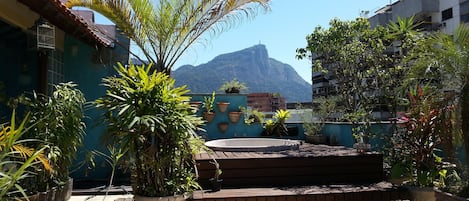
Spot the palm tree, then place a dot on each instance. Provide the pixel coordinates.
(446, 58)
(164, 29)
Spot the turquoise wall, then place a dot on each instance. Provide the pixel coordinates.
(19, 72)
(342, 133)
(239, 129)
(82, 67)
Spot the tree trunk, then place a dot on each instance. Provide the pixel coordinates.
(465, 118)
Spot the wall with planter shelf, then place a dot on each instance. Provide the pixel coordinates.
(238, 129)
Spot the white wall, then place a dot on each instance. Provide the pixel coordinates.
(452, 23)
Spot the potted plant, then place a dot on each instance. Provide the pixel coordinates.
(276, 126)
(233, 86)
(412, 151)
(313, 133)
(209, 112)
(58, 124)
(325, 108)
(252, 116)
(215, 181)
(147, 114)
(361, 146)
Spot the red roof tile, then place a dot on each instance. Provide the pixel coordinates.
(56, 13)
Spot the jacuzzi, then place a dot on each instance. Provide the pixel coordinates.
(253, 144)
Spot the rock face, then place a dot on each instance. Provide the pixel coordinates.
(251, 66)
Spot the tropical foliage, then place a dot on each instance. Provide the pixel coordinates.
(233, 86)
(208, 103)
(413, 151)
(276, 126)
(252, 115)
(326, 107)
(150, 117)
(165, 29)
(18, 161)
(442, 61)
(58, 124)
(367, 74)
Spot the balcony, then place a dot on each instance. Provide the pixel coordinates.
(408, 8)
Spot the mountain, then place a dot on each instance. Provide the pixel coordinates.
(251, 66)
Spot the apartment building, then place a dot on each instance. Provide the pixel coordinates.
(266, 102)
(444, 15)
(433, 15)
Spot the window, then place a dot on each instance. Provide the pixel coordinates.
(465, 18)
(447, 14)
(55, 73)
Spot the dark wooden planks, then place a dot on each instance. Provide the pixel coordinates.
(309, 165)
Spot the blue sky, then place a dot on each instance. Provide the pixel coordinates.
(282, 30)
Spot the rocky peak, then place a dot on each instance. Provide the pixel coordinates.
(251, 65)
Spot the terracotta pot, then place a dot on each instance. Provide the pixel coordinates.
(222, 106)
(209, 116)
(167, 198)
(223, 126)
(234, 116)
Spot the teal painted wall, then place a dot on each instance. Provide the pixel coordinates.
(342, 133)
(19, 72)
(239, 129)
(82, 66)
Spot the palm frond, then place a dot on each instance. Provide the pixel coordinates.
(164, 29)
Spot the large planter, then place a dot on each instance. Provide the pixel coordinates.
(60, 193)
(167, 198)
(47, 196)
(65, 191)
(215, 184)
(292, 130)
(444, 196)
(421, 193)
(316, 139)
(35, 197)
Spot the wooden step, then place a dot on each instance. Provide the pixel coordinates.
(381, 191)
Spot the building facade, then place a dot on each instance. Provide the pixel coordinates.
(266, 102)
(433, 15)
(444, 15)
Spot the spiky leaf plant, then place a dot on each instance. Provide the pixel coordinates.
(151, 117)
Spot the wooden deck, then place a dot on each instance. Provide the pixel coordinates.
(310, 165)
(381, 191)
